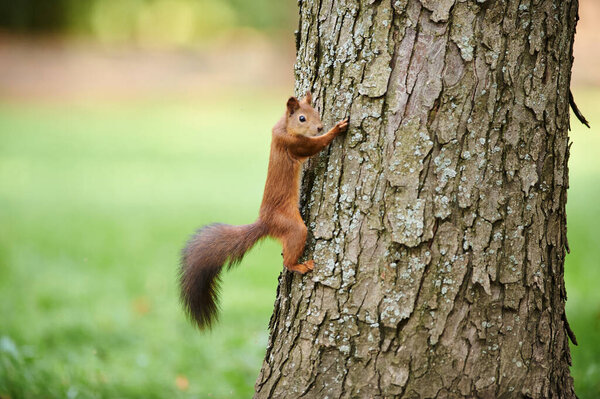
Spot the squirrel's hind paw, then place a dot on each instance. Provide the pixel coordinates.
(302, 267)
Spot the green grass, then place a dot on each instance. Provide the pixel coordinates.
(95, 204)
(96, 201)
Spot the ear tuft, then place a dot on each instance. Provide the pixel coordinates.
(292, 105)
(308, 98)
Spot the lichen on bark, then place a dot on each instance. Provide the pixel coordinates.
(437, 224)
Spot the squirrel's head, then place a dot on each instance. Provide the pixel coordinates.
(302, 118)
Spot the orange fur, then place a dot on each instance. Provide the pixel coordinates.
(212, 247)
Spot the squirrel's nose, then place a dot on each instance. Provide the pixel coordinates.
(320, 128)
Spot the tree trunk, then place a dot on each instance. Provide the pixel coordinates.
(437, 224)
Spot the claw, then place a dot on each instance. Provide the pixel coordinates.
(343, 125)
(302, 268)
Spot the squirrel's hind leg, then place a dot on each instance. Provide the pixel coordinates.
(293, 242)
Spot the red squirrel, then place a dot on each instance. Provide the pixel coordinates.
(294, 140)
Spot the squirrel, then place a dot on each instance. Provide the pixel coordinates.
(294, 140)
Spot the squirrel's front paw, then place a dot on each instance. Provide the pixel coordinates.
(342, 126)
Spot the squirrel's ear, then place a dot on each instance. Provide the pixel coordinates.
(292, 105)
(308, 98)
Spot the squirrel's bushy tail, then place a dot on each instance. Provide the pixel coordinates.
(202, 259)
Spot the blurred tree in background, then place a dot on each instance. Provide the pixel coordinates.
(33, 15)
(169, 22)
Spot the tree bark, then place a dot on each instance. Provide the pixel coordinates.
(437, 224)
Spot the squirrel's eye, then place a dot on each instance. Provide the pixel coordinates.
(302, 118)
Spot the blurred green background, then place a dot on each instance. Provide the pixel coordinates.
(125, 125)
(154, 22)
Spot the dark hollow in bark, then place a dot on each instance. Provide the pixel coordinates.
(437, 224)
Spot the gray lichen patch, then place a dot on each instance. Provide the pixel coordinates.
(376, 77)
(478, 238)
(377, 54)
(461, 32)
(450, 117)
(406, 221)
(405, 158)
(452, 274)
(326, 274)
(401, 290)
(529, 177)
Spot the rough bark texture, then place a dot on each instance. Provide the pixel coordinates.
(437, 224)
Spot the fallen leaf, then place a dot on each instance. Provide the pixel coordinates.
(182, 383)
(141, 305)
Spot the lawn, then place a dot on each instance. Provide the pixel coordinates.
(96, 200)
